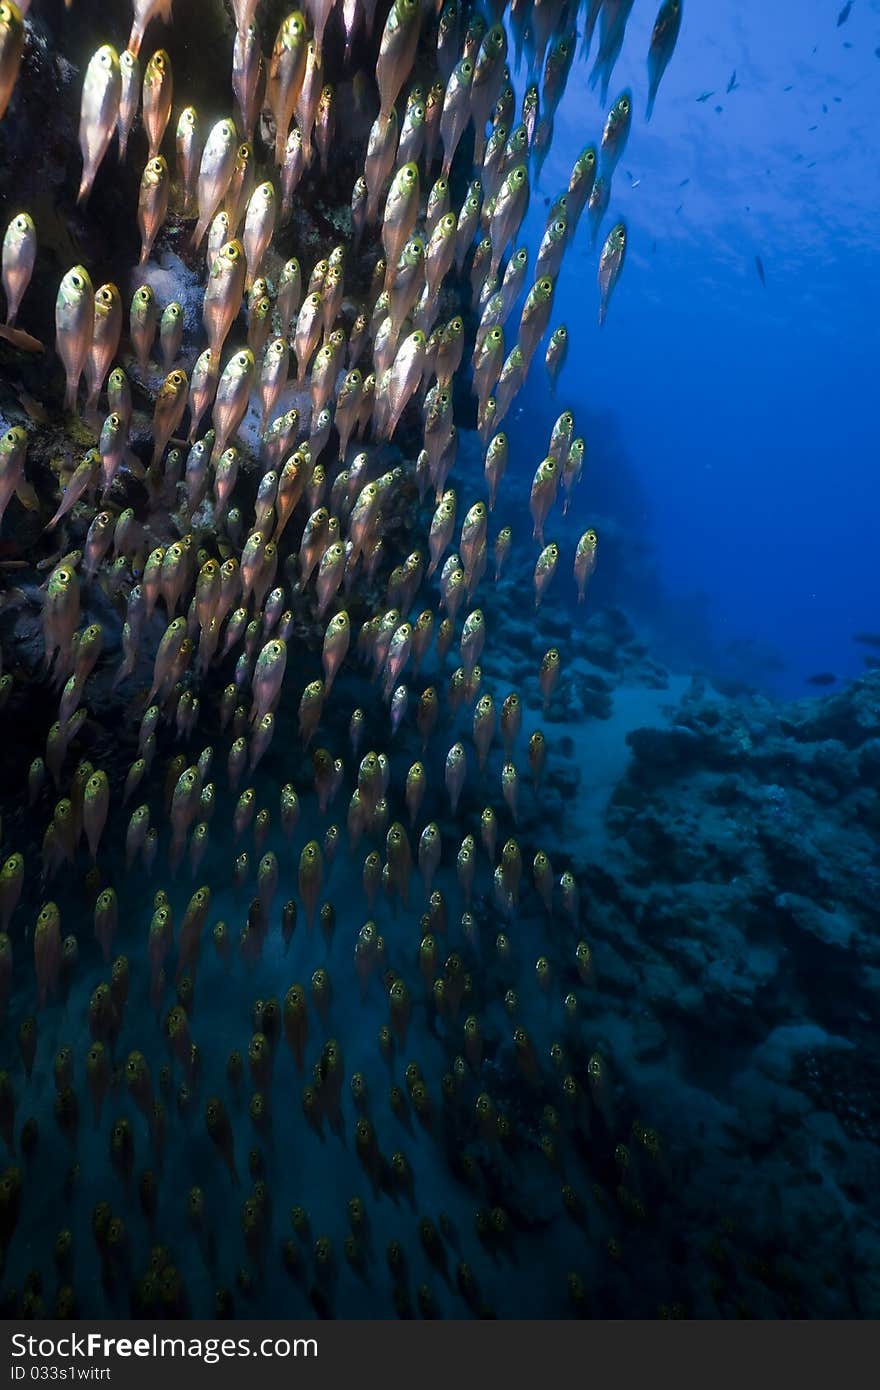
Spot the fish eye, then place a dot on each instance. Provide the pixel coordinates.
(21, 223)
(76, 281)
(624, 106)
(242, 360)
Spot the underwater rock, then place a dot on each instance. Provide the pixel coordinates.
(791, 1047)
(831, 928)
(676, 747)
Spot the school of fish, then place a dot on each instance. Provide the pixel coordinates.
(251, 527)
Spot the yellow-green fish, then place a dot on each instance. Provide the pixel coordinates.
(129, 98)
(397, 50)
(223, 294)
(106, 332)
(557, 351)
(19, 255)
(611, 264)
(168, 412)
(11, 49)
(155, 191)
(231, 400)
(664, 37)
(158, 93)
(401, 211)
(259, 225)
(74, 322)
(585, 561)
(143, 322)
(215, 172)
(144, 12)
(616, 133)
(247, 68)
(99, 111)
(189, 153)
(287, 67)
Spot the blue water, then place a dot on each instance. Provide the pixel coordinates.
(745, 413)
(691, 1125)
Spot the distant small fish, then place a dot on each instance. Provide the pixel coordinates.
(867, 639)
(822, 678)
(845, 13)
(872, 662)
(21, 340)
(759, 266)
(684, 183)
(731, 86)
(706, 96)
(32, 407)
(789, 88)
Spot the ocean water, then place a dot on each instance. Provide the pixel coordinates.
(647, 1084)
